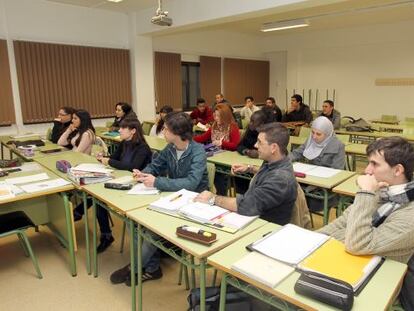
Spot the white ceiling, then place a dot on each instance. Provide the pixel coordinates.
(124, 6)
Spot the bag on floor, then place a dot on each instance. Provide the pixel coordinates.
(236, 300)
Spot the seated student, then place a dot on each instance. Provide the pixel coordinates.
(184, 161)
(202, 113)
(132, 153)
(248, 109)
(273, 190)
(249, 139)
(80, 134)
(61, 123)
(158, 128)
(271, 108)
(381, 219)
(219, 99)
(122, 111)
(322, 147)
(298, 111)
(332, 114)
(224, 132)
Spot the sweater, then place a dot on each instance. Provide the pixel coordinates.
(231, 144)
(303, 114)
(85, 144)
(129, 156)
(394, 238)
(202, 117)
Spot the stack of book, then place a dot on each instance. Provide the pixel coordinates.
(89, 173)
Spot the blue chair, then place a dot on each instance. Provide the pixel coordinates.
(17, 223)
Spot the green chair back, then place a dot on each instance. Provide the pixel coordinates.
(245, 123)
(409, 120)
(49, 133)
(344, 138)
(146, 127)
(305, 131)
(108, 123)
(389, 118)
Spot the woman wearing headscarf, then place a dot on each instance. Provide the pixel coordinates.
(322, 147)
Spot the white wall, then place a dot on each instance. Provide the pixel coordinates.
(38, 20)
(350, 60)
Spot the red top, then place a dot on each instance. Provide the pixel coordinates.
(204, 118)
(231, 144)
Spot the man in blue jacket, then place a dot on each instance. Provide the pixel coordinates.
(180, 165)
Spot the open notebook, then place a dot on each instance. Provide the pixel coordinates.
(181, 203)
(314, 170)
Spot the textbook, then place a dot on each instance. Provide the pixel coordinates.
(291, 244)
(181, 203)
(263, 269)
(332, 260)
(314, 170)
(87, 178)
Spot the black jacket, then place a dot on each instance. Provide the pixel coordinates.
(139, 155)
(248, 141)
(57, 130)
(304, 114)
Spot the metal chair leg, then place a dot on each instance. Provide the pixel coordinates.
(23, 244)
(121, 250)
(32, 256)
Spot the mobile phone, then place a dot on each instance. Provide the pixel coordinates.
(51, 150)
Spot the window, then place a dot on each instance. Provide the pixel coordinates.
(190, 73)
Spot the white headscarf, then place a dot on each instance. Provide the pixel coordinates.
(312, 148)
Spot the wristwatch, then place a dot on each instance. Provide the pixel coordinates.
(212, 200)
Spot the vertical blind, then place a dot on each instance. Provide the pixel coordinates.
(244, 77)
(168, 88)
(55, 75)
(6, 95)
(210, 77)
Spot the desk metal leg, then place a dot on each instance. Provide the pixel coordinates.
(223, 290)
(202, 284)
(138, 255)
(95, 255)
(71, 247)
(325, 207)
(85, 214)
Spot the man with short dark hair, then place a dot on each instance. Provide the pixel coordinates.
(298, 111)
(219, 98)
(272, 192)
(273, 110)
(381, 219)
(184, 162)
(202, 113)
(248, 109)
(331, 113)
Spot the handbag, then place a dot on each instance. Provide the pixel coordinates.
(334, 292)
(357, 125)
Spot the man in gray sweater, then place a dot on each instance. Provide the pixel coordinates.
(272, 191)
(381, 219)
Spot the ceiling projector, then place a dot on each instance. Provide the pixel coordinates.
(161, 17)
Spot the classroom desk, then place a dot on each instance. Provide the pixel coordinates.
(367, 137)
(74, 158)
(378, 294)
(165, 226)
(50, 207)
(111, 141)
(396, 122)
(355, 150)
(347, 191)
(155, 143)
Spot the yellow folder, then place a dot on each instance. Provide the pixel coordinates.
(331, 259)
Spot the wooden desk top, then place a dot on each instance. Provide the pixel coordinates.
(156, 143)
(228, 158)
(357, 149)
(349, 187)
(326, 183)
(166, 225)
(377, 295)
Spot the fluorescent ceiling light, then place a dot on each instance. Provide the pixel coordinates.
(114, 0)
(296, 23)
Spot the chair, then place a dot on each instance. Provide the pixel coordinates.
(17, 223)
(409, 120)
(211, 171)
(389, 118)
(245, 123)
(99, 146)
(146, 127)
(305, 131)
(108, 124)
(49, 133)
(300, 213)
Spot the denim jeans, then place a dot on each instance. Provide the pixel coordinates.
(150, 253)
(102, 216)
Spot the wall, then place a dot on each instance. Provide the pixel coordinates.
(37, 20)
(348, 60)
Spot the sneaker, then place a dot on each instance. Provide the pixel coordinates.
(105, 243)
(121, 275)
(146, 276)
(76, 215)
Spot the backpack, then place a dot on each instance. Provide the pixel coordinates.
(357, 125)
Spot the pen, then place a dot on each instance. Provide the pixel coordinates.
(176, 198)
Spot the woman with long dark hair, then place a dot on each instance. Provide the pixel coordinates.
(80, 134)
(132, 153)
(157, 128)
(122, 111)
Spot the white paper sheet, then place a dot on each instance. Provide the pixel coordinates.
(315, 170)
(142, 189)
(26, 179)
(45, 185)
(92, 167)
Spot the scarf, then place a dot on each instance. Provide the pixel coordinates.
(219, 132)
(392, 198)
(312, 148)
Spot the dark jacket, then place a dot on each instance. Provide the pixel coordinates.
(303, 114)
(275, 114)
(117, 121)
(189, 172)
(130, 155)
(335, 118)
(58, 129)
(272, 193)
(248, 141)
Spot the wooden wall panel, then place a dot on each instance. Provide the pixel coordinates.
(7, 116)
(210, 77)
(55, 75)
(244, 77)
(168, 88)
